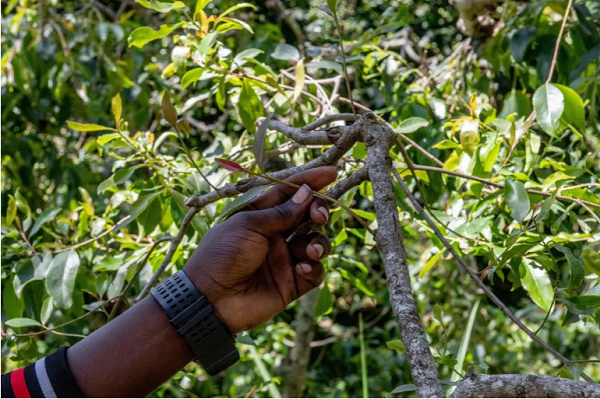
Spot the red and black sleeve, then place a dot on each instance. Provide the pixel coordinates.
(49, 377)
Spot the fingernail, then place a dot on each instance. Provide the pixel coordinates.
(301, 195)
(323, 211)
(320, 250)
(305, 268)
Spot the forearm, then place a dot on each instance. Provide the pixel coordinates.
(130, 356)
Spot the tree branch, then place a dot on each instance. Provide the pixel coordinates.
(348, 135)
(174, 244)
(524, 386)
(476, 278)
(390, 242)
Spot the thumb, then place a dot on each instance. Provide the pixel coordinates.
(284, 216)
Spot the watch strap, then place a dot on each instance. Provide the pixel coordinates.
(194, 318)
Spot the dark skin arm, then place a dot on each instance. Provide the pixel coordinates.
(246, 268)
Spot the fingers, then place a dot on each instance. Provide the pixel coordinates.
(310, 274)
(281, 217)
(316, 178)
(319, 211)
(314, 246)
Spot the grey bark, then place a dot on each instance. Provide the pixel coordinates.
(390, 241)
(300, 353)
(343, 137)
(524, 386)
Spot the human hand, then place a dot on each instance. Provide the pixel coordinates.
(245, 267)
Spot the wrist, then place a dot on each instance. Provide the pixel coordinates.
(194, 318)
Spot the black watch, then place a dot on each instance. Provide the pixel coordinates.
(194, 318)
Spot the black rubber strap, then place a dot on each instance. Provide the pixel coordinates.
(193, 317)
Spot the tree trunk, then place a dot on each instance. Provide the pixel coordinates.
(300, 353)
(390, 242)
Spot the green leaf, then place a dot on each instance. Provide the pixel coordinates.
(46, 216)
(60, 280)
(144, 35)
(324, 303)
(489, 156)
(332, 4)
(22, 204)
(405, 388)
(549, 104)
(574, 110)
(326, 10)
(23, 322)
(11, 210)
(12, 305)
(249, 106)
(259, 141)
(537, 283)
(431, 262)
(397, 345)
(237, 7)
(242, 57)
(240, 202)
(32, 269)
(117, 108)
(88, 204)
(141, 204)
(286, 52)
(591, 260)
(314, 66)
(168, 110)
(200, 5)
(191, 76)
(46, 311)
(586, 300)
(300, 75)
(411, 125)
(205, 45)
(554, 178)
(107, 138)
(576, 268)
(161, 6)
(516, 199)
(88, 127)
(233, 24)
(516, 103)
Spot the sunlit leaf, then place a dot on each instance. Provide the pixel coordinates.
(411, 125)
(431, 262)
(144, 35)
(60, 280)
(161, 6)
(537, 283)
(117, 108)
(516, 199)
(22, 322)
(300, 75)
(286, 52)
(549, 104)
(87, 127)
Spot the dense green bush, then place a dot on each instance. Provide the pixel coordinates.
(82, 204)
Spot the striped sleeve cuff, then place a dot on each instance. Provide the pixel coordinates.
(49, 377)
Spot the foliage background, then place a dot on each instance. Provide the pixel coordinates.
(66, 247)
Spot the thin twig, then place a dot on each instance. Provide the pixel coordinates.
(174, 244)
(99, 236)
(341, 41)
(123, 294)
(501, 185)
